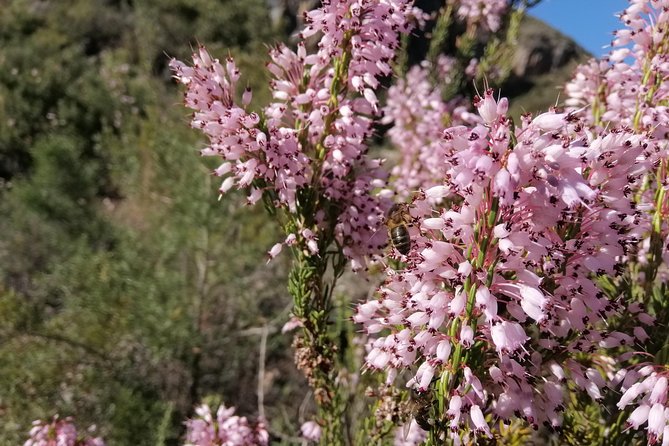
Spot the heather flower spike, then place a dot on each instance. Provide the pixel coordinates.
(223, 428)
(59, 432)
(417, 111)
(628, 89)
(507, 272)
(313, 137)
(484, 14)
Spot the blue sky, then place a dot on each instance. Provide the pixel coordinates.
(588, 22)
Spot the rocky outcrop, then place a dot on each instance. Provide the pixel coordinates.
(543, 49)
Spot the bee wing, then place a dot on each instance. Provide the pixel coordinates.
(382, 227)
(409, 426)
(406, 429)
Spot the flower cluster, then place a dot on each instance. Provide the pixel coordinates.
(60, 433)
(646, 387)
(486, 14)
(418, 114)
(311, 141)
(508, 272)
(370, 27)
(225, 429)
(628, 89)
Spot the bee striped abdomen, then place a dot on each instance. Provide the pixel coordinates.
(401, 239)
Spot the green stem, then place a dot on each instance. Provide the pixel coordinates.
(316, 352)
(656, 236)
(439, 34)
(449, 378)
(648, 74)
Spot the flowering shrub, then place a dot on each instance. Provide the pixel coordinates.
(60, 433)
(223, 429)
(538, 249)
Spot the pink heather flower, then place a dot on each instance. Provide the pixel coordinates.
(657, 420)
(534, 283)
(312, 241)
(308, 138)
(275, 251)
(310, 431)
(292, 324)
(478, 420)
(659, 392)
(486, 14)
(639, 416)
(550, 121)
(646, 388)
(508, 336)
(467, 336)
(627, 89)
(225, 429)
(417, 111)
(488, 107)
(60, 433)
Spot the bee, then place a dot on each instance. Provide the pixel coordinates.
(420, 405)
(397, 222)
